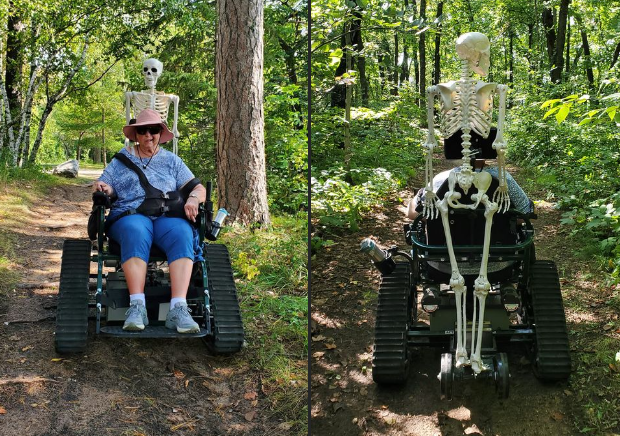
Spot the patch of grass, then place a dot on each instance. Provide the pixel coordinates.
(271, 272)
(596, 381)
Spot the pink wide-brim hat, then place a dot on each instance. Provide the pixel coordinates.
(148, 117)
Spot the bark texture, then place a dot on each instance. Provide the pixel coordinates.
(556, 72)
(242, 184)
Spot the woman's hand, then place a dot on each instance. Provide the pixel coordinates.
(103, 187)
(191, 208)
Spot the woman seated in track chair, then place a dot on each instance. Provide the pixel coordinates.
(139, 219)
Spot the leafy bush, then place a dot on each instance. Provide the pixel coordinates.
(577, 160)
(339, 202)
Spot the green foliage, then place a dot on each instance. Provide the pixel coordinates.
(339, 199)
(271, 269)
(286, 144)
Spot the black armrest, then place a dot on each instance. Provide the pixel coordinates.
(100, 198)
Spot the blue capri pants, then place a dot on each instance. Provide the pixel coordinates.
(136, 233)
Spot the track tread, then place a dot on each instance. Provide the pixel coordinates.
(553, 360)
(390, 364)
(72, 311)
(227, 323)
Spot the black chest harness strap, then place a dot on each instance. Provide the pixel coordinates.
(156, 202)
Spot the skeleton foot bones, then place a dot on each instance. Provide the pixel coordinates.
(466, 105)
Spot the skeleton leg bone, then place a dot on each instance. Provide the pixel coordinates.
(482, 287)
(457, 283)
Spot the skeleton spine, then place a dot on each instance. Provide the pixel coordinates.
(466, 90)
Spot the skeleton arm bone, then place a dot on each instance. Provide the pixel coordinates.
(501, 194)
(430, 199)
(128, 98)
(175, 101)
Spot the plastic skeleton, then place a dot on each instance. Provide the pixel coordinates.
(467, 105)
(151, 99)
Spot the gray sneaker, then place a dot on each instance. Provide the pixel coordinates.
(136, 317)
(180, 319)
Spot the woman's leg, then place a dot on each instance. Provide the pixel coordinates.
(176, 238)
(134, 233)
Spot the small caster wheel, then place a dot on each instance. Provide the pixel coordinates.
(501, 375)
(446, 376)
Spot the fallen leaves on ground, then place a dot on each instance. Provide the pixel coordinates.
(250, 395)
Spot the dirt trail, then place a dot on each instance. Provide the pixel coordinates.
(119, 386)
(345, 401)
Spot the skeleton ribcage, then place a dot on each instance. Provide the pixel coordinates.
(479, 121)
(141, 101)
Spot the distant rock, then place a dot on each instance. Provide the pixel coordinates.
(68, 169)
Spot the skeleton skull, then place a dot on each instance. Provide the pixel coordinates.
(475, 48)
(151, 69)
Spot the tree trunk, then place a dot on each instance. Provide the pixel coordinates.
(549, 26)
(511, 63)
(588, 59)
(567, 60)
(556, 72)
(23, 138)
(437, 68)
(614, 58)
(338, 93)
(358, 46)
(395, 65)
(78, 153)
(241, 172)
(422, 82)
(347, 113)
(530, 45)
(381, 68)
(14, 60)
(404, 68)
(289, 59)
(416, 65)
(37, 142)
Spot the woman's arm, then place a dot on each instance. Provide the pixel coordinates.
(197, 196)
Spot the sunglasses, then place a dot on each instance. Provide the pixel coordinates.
(153, 130)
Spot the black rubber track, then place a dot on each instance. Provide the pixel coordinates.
(390, 363)
(227, 323)
(72, 309)
(552, 353)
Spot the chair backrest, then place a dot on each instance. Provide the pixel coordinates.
(483, 147)
(467, 226)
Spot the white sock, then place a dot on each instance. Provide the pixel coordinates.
(134, 297)
(174, 301)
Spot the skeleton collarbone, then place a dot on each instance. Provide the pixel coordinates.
(480, 111)
(158, 101)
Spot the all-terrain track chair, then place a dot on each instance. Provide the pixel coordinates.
(212, 295)
(416, 306)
